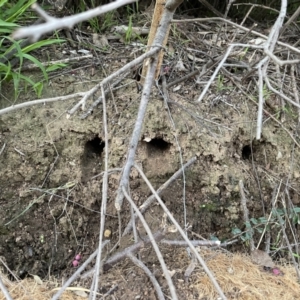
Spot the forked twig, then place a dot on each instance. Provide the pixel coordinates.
(110, 262)
(178, 227)
(155, 246)
(151, 199)
(166, 19)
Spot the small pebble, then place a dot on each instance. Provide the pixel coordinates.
(78, 257)
(75, 263)
(276, 271)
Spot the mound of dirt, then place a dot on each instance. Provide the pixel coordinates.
(51, 181)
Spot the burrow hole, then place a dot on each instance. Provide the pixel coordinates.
(93, 148)
(246, 152)
(157, 146)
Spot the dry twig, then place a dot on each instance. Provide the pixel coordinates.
(178, 227)
(151, 199)
(155, 246)
(152, 278)
(52, 24)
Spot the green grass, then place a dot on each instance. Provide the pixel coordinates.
(14, 53)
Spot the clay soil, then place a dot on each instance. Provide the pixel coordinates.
(51, 195)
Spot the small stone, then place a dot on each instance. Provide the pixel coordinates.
(75, 263)
(78, 257)
(107, 233)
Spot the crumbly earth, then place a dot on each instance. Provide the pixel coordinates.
(51, 197)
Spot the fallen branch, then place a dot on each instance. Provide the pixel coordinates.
(178, 227)
(151, 199)
(110, 262)
(154, 245)
(52, 24)
(194, 243)
(111, 77)
(246, 214)
(40, 101)
(166, 19)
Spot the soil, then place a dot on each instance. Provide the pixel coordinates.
(51, 183)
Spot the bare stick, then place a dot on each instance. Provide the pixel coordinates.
(156, 285)
(77, 273)
(155, 246)
(87, 94)
(4, 290)
(265, 111)
(193, 249)
(151, 199)
(52, 24)
(280, 94)
(290, 20)
(273, 37)
(2, 149)
(104, 200)
(166, 19)
(295, 90)
(260, 99)
(108, 79)
(40, 101)
(136, 134)
(110, 291)
(246, 214)
(107, 93)
(166, 99)
(122, 254)
(194, 242)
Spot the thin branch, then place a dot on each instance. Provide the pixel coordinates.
(166, 19)
(151, 199)
(4, 290)
(166, 99)
(152, 278)
(193, 249)
(155, 246)
(211, 8)
(108, 79)
(246, 214)
(295, 89)
(280, 94)
(194, 243)
(290, 20)
(52, 24)
(40, 101)
(136, 134)
(93, 291)
(122, 254)
(2, 149)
